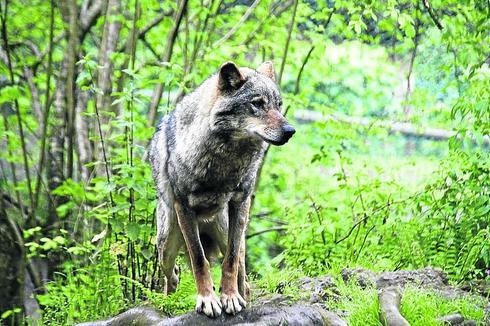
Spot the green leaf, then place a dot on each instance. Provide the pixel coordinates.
(133, 231)
(410, 31)
(9, 93)
(147, 253)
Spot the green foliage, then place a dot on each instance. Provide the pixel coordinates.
(338, 194)
(77, 295)
(456, 208)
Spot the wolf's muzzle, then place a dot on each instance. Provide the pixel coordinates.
(287, 132)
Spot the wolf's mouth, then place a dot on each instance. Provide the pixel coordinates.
(283, 141)
(277, 143)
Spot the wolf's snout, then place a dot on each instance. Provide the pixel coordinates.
(288, 131)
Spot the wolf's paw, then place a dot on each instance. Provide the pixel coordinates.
(233, 303)
(173, 281)
(209, 305)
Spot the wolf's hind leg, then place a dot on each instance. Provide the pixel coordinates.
(167, 252)
(169, 241)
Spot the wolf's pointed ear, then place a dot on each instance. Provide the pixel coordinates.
(230, 77)
(267, 68)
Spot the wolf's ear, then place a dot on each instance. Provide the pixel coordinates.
(230, 77)
(267, 69)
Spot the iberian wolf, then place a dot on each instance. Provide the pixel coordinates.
(205, 156)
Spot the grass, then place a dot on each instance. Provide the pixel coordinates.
(422, 308)
(360, 305)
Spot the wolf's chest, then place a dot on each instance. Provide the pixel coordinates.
(220, 172)
(213, 181)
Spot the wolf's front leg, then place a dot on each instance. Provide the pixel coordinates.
(243, 286)
(207, 301)
(231, 299)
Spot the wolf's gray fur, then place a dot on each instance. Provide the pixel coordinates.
(204, 157)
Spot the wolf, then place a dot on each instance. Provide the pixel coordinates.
(204, 156)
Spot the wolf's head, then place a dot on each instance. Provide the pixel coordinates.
(248, 104)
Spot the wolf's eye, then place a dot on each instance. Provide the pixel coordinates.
(258, 103)
(256, 106)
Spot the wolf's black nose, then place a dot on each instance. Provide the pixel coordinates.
(288, 131)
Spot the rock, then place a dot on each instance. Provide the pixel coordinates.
(332, 319)
(429, 277)
(267, 314)
(318, 289)
(297, 314)
(482, 287)
(389, 305)
(141, 316)
(453, 319)
(364, 277)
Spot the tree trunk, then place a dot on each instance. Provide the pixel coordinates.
(12, 269)
(84, 147)
(71, 60)
(110, 37)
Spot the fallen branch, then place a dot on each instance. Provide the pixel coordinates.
(389, 305)
(404, 128)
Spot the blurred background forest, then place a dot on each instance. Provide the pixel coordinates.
(389, 168)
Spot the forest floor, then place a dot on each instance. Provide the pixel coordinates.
(356, 297)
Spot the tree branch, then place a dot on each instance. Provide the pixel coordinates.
(298, 79)
(432, 14)
(158, 91)
(145, 29)
(407, 109)
(45, 117)
(237, 25)
(273, 229)
(286, 47)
